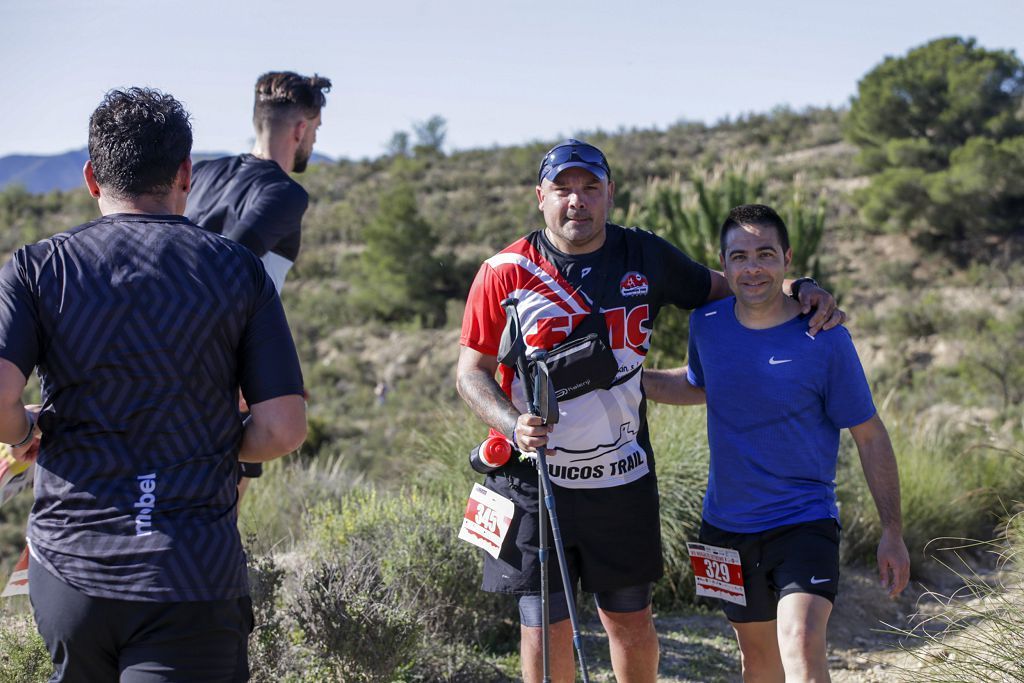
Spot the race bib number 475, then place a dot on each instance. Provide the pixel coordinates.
(718, 572)
(487, 519)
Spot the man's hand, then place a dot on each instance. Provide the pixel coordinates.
(893, 562)
(531, 433)
(826, 315)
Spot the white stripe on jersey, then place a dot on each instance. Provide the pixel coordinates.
(506, 258)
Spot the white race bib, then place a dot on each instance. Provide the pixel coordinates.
(718, 572)
(487, 519)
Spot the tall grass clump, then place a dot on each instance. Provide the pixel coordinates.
(952, 483)
(442, 455)
(679, 439)
(275, 504)
(412, 537)
(975, 634)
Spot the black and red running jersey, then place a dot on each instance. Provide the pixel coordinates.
(601, 439)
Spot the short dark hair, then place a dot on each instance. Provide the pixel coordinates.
(281, 94)
(754, 214)
(137, 140)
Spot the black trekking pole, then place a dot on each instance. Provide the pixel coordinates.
(542, 402)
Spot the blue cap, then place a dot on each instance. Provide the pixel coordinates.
(573, 154)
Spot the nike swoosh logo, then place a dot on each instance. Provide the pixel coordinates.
(772, 361)
(817, 581)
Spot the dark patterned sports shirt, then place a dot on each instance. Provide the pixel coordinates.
(142, 328)
(254, 202)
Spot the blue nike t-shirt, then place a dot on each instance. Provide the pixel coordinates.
(777, 399)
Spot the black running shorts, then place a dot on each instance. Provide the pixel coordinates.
(612, 536)
(91, 640)
(795, 558)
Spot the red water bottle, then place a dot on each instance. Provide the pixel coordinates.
(494, 452)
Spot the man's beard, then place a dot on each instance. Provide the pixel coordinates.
(301, 160)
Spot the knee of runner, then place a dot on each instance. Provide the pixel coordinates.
(798, 638)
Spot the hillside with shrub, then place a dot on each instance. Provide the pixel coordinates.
(908, 205)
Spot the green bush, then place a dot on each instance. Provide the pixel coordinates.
(23, 655)
(419, 555)
(354, 621)
(940, 128)
(269, 652)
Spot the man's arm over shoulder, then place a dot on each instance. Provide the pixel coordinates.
(882, 475)
(688, 284)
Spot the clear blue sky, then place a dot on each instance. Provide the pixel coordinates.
(500, 71)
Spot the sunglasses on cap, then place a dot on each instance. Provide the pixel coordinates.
(573, 154)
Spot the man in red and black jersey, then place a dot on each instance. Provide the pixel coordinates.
(599, 455)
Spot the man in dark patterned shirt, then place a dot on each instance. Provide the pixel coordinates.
(142, 326)
(251, 198)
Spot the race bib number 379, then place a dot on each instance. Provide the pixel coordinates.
(487, 519)
(718, 572)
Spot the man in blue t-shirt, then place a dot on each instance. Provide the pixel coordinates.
(142, 326)
(777, 398)
(600, 458)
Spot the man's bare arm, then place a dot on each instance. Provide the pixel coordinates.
(671, 386)
(882, 475)
(14, 421)
(275, 427)
(476, 385)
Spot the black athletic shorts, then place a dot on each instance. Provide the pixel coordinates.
(91, 640)
(612, 536)
(795, 558)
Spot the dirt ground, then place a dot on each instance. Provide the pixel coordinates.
(699, 647)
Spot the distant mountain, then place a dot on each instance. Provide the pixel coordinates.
(43, 173)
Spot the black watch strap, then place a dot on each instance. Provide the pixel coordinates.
(794, 288)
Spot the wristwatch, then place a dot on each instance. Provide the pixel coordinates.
(794, 288)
